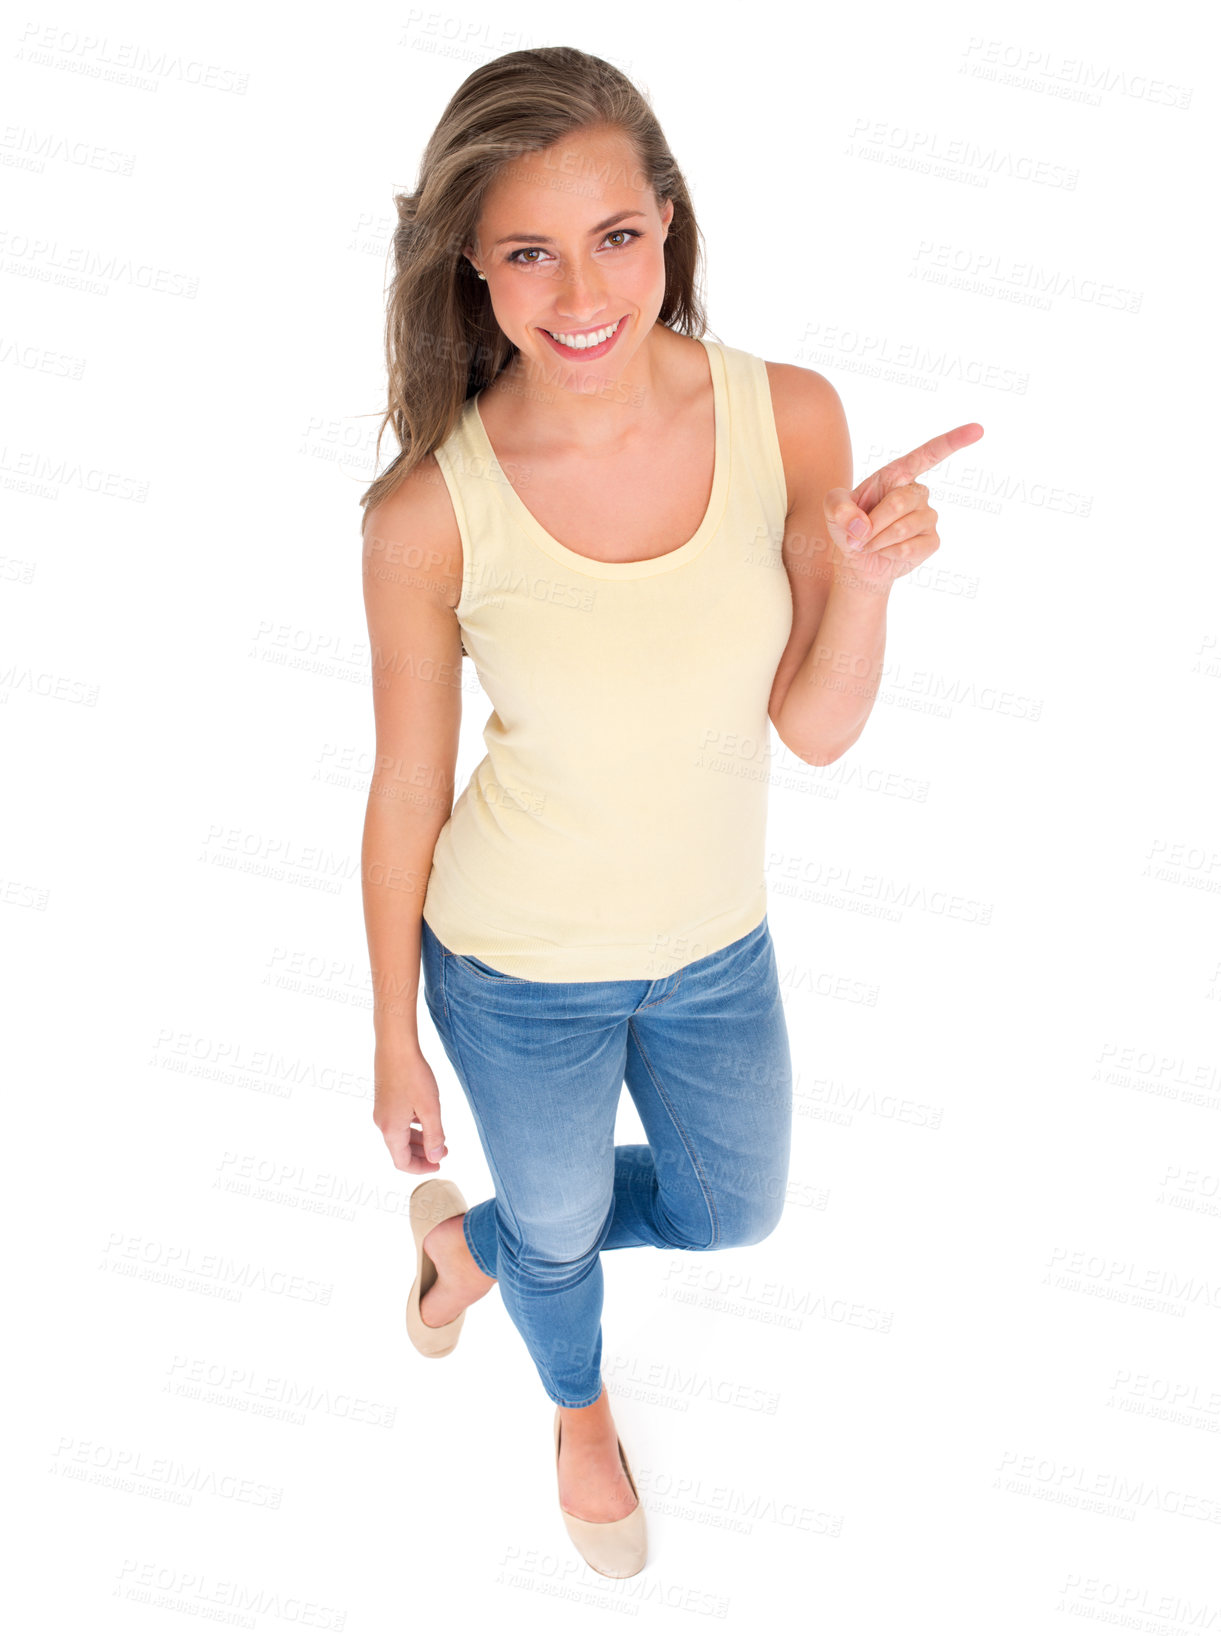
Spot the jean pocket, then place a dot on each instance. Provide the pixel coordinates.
(478, 969)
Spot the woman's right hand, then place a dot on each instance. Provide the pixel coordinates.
(407, 1109)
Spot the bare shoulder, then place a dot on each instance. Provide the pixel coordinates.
(411, 542)
(798, 391)
(811, 429)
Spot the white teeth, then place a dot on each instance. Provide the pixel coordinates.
(580, 343)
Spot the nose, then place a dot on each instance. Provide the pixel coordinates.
(581, 294)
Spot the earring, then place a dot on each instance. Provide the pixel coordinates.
(484, 277)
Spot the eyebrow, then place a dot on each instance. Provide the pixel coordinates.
(540, 238)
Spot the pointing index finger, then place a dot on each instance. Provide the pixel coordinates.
(910, 466)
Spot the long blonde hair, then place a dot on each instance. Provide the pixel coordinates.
(442, 342)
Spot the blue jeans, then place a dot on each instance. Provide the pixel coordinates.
(705, 1054)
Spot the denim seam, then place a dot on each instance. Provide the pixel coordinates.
(479, 1128)
(691, 1153)
(544, 1372)
(470, 1244)
(662, 998)
(549, 1380)
(552, 1389)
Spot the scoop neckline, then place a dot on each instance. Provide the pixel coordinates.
(649, 565)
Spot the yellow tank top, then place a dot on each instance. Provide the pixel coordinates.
(615, 829)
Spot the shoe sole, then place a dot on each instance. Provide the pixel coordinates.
(433, 1201)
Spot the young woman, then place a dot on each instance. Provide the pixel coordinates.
(642, 538)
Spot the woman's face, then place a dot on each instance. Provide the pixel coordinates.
(570, 239)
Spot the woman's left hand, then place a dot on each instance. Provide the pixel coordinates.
(900, 527)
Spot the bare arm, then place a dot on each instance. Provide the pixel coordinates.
(828, 675)
(814, 446)
(411, 560)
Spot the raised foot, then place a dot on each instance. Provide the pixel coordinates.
(459, 1281)
(592, 1482)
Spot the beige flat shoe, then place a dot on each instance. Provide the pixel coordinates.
(617, 1549)
(432, 1201)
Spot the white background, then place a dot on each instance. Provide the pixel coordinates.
(973, 1379)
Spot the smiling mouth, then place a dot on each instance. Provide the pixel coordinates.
(578, 341)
